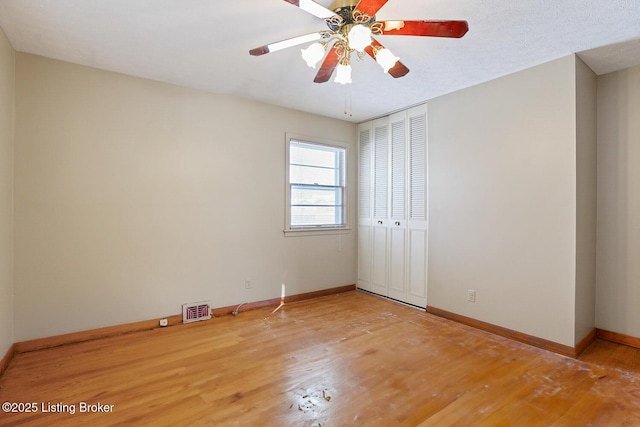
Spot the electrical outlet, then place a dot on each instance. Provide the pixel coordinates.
(471, 295)
(164, 322)
(247, 283)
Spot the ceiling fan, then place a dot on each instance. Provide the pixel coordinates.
(352, 24)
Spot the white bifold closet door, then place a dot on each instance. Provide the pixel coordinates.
(392, 239)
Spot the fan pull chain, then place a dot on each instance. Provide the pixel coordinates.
(347, 96)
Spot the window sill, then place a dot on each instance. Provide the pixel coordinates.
(299, 232)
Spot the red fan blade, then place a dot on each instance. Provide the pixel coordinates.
(455, 29)
(313, 8)
(369, 7)
(328, 65)
(397, 70)
(294, 41)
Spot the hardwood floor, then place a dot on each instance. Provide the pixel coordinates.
(347, 359)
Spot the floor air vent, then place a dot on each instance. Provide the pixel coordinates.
(195, 311)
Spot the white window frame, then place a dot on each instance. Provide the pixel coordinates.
(315, 230)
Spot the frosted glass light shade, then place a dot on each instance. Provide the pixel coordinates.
(359, 37)
(386, 59)
(313, 54)
(343, 74)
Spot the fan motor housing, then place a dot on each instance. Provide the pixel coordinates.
(339, 4)
(344, 9)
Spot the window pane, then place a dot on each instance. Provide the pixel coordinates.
(311, 175)
(316, 206)
(316, 196)
(313, 155)
(315, 215)
(316, 184)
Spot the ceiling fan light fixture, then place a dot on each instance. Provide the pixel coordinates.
(352, 24)
(343, 72)
(386, 59)
(313, 54)
(359, 37)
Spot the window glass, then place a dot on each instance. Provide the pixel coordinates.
(316, 185)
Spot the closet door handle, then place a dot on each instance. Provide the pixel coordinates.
(397, 222)
(380, 221)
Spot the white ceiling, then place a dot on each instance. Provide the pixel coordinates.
(204, 44)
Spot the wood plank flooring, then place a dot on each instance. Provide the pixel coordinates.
(342, 360)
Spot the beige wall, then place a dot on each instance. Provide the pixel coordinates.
(618, 248)
(502, 174)
(7, 70)
(586, 200)
(133, 197)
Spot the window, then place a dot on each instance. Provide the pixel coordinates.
(316, 190)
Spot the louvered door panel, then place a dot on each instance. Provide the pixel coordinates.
(398, 170)
(417, 234)
(418, 166)
(379, 225)
(364, 184)
(381, 171)
(365, 174)
(398, 199)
